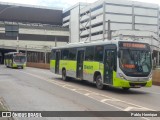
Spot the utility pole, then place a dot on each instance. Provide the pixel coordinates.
(17, 43)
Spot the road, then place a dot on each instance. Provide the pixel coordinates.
(33, 89)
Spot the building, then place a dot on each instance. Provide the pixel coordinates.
(96, 21)
(31, 29)
(71, 20)
(39, 29)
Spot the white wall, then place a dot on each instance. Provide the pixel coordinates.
(123, 14)
(74, 25)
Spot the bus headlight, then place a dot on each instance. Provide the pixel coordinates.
(150, 77)
(122, 76)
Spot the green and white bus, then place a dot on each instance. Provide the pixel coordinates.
(125, 64)
(15, 60)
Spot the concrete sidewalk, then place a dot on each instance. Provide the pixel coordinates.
(3, 108)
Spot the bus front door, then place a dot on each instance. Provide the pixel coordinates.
(80, 59)
(109, 66)
(57, 62)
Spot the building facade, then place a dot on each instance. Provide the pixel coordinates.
(31, 29)
(97, 20)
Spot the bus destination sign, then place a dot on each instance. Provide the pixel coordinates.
(19, 54)
(133, 45)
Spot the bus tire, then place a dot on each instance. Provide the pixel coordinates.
(99, 83)
(64, 77)
(125, 88)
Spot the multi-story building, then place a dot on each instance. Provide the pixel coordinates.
(96, 21)
(31, 29)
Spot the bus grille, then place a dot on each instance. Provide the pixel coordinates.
(137, 84)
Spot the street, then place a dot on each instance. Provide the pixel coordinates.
(33, 89)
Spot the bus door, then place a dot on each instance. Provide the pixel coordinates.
(109, 65)
(57, 62)
(80, 59)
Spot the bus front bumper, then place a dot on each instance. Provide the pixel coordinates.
(19, 66)
(129, 84)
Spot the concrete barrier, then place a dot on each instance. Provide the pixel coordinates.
(38, 65)
(155, 76)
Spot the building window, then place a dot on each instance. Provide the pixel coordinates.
(66, 14)
(84, 36)
(96, 8)
(65, 21)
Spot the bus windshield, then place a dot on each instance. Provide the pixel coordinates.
(20, 59)
(135, 62)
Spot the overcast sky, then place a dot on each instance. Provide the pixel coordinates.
(61, 3)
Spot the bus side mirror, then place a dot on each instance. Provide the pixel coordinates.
(119, 54)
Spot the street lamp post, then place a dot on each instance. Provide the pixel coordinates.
(17, 43)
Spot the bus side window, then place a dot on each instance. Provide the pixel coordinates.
(89, 53)
(111, 59)
(65, 54)
(114, 61)
(53, 55)
(72, 54)
(99, 53)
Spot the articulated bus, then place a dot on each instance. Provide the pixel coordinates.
(15, 60)
(124, 64)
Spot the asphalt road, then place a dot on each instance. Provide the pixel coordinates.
(32, 89)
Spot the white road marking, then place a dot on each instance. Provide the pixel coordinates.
(138, 106)
(128, 108)
(104, 100)
(90, 92)
(150, 92)
(50, 74)
(87, 94)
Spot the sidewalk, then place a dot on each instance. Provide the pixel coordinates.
(3, 108)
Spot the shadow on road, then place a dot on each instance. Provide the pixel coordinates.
(107, 88)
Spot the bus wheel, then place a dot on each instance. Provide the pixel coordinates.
(99, 83)
(125, 88)
(64, 77)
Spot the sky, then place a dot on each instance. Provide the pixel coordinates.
(63, 4)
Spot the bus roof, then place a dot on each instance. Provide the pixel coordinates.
(12, 53)
(82, 44)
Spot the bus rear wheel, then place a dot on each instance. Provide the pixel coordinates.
(64, 77)
(99, 83)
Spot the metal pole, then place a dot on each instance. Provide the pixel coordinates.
(90, 25)
(158, 58)
(133, 18)
(79, 23)
(55, 41)
(45, 57)
(109, 30)
(26, 49)
(26, 52)
(17, 43)
(104, 20)
(158, 15)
